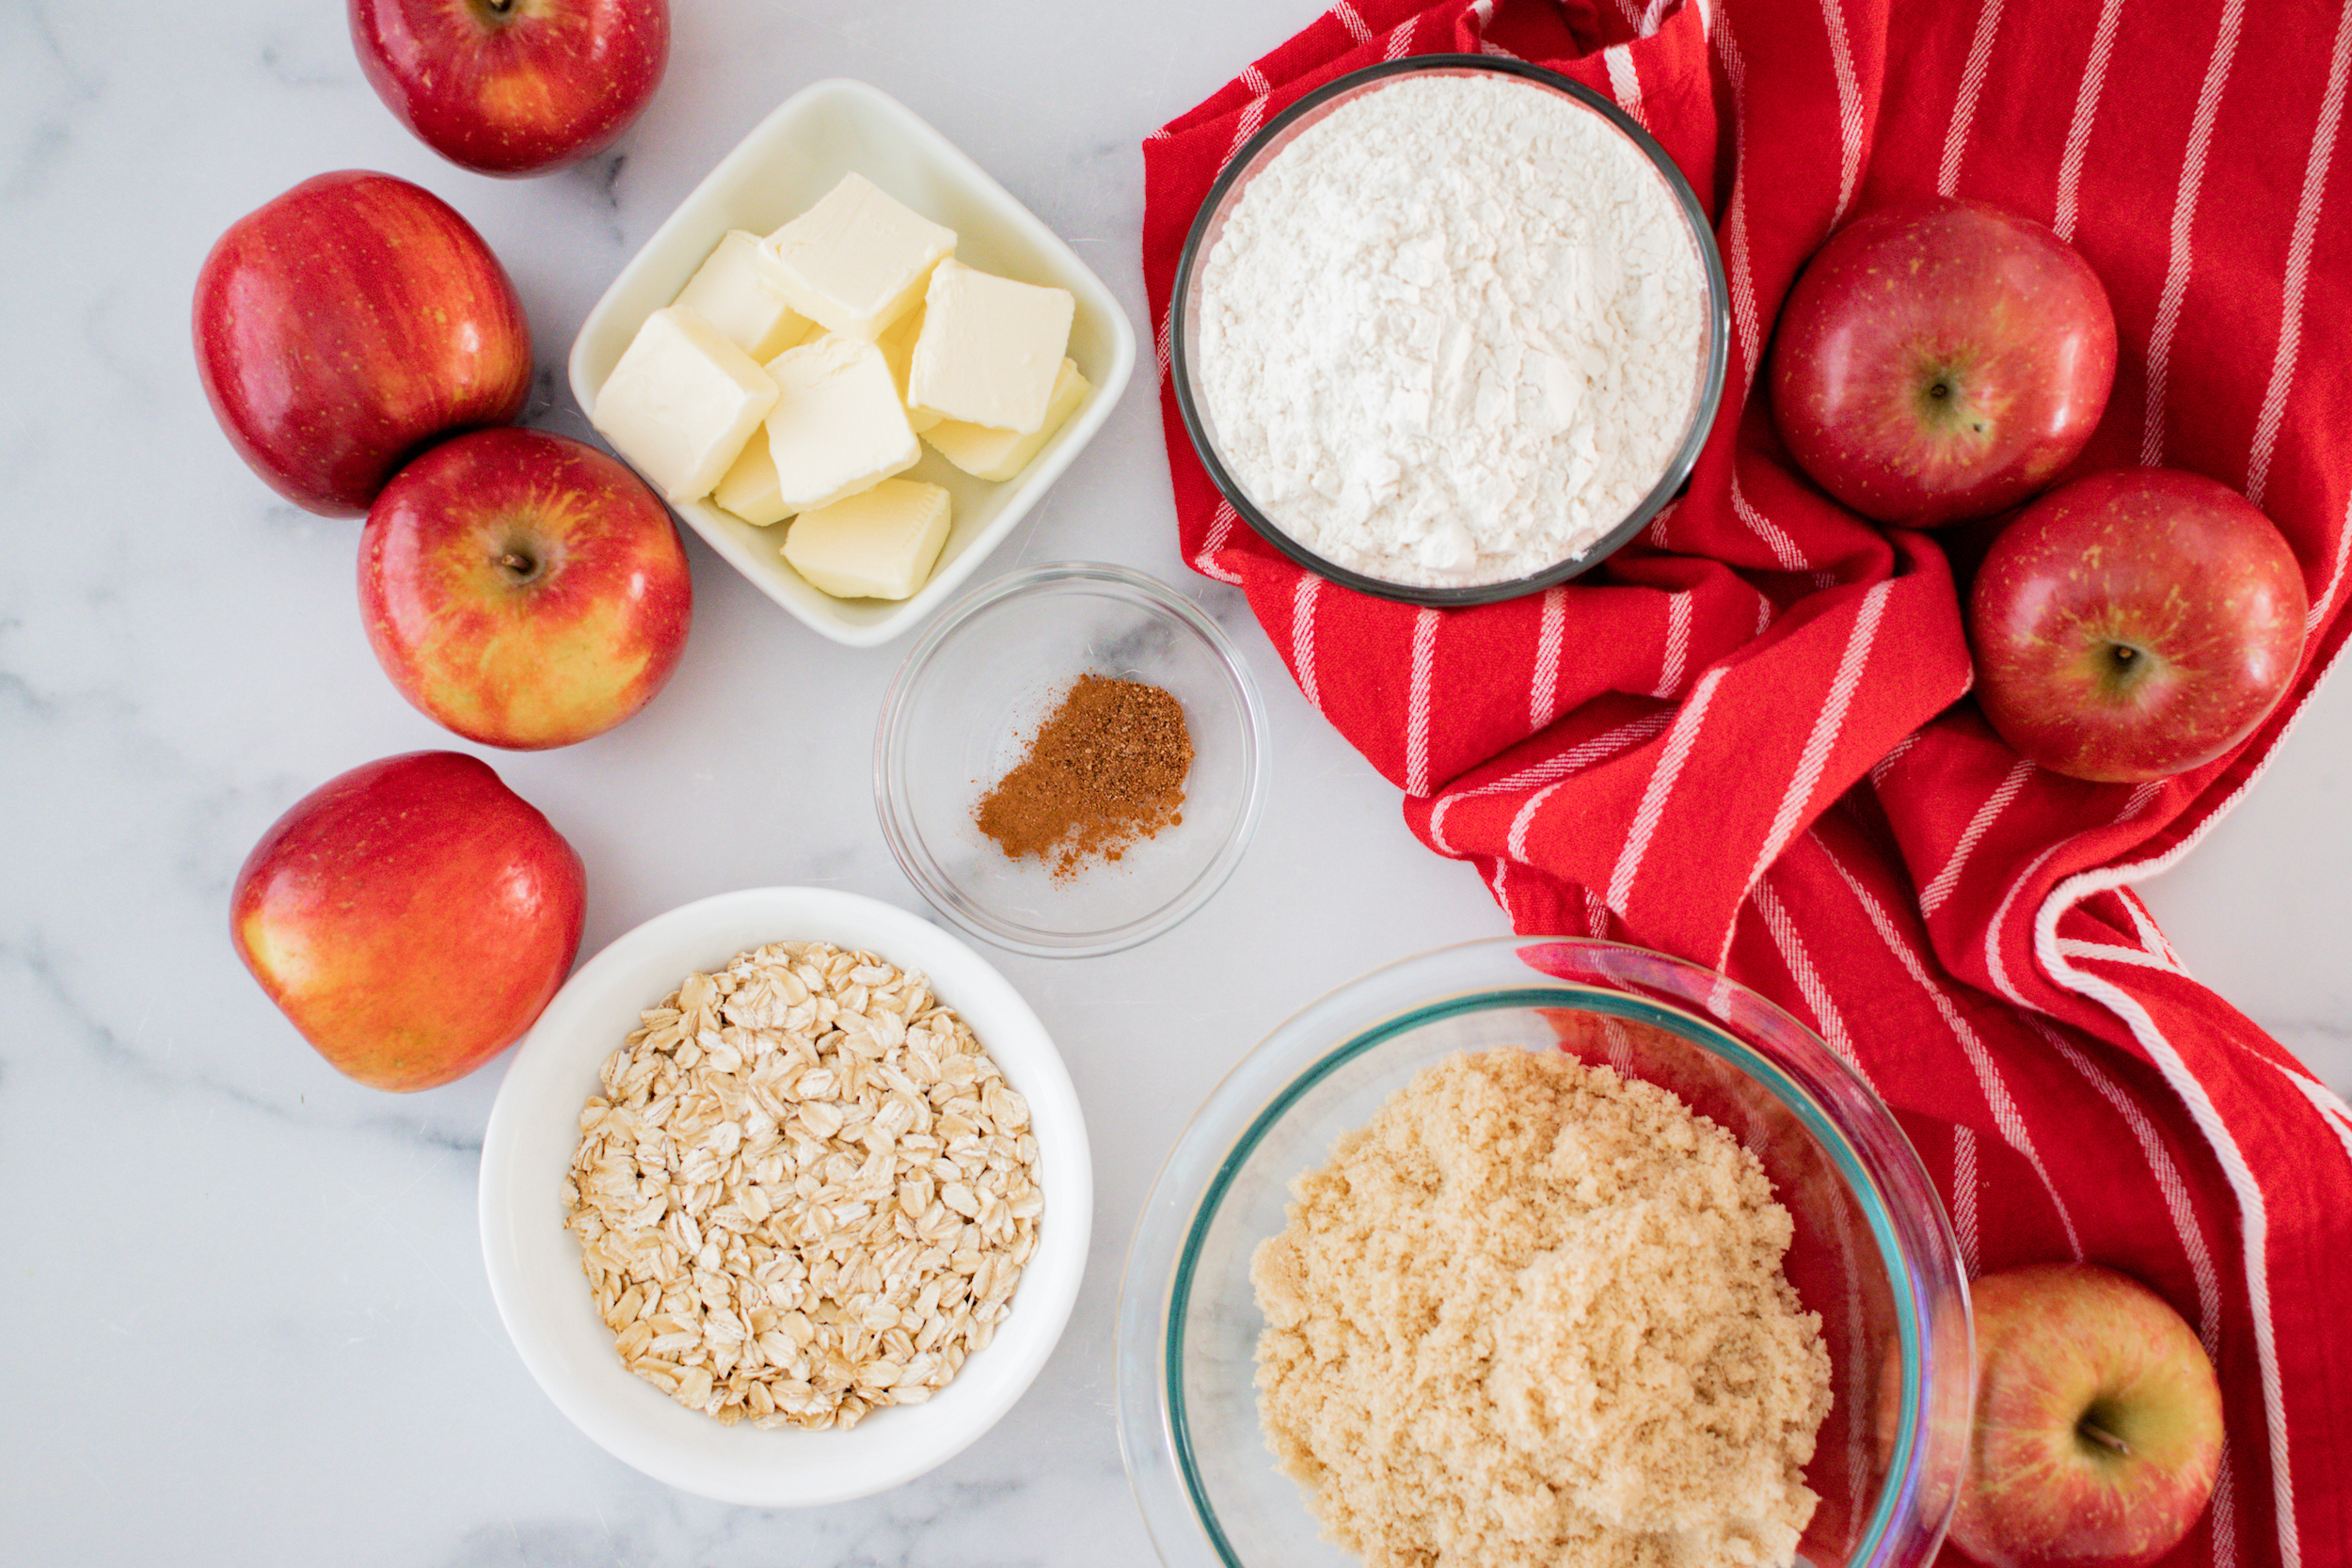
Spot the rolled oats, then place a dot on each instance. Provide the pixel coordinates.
(806, 1193)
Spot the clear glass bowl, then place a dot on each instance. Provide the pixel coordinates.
(958, 716)
(1278, 134)
(1873, 1253)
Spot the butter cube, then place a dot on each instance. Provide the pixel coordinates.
(731, 293)
(682, 401)
(879, 544)
(749, 489)
(857, 261)
(990, 348)
(898, 346)
(999, 454)
(837, 425)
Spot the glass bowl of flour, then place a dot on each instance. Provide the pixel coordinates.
(1449, 330)
(1480, 1361)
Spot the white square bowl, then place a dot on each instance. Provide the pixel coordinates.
(791, 159)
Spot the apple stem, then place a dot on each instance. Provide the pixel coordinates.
(2101, 1436)
(518, 564)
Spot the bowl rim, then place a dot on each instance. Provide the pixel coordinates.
(890, 786)
(1886, 1179)
(1686, 454)
(927, 1436)
(846, 94)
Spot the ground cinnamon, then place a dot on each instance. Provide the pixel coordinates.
(1106, 768)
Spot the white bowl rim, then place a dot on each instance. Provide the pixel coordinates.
(924, 1436)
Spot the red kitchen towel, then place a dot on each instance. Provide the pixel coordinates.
(1742, 740)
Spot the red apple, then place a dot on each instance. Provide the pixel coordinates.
(2098, 1427)
(1941, 359)
(523, 588)
(412, 917)
(2135, 623)
(513, 87)
(345, 324)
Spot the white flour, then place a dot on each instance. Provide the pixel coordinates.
(1452, 333)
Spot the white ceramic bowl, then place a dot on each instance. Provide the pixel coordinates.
(535, 1264)
(795, 156)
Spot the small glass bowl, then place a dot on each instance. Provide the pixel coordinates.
(958, 716)
(1873, 1252)
(1278, 134)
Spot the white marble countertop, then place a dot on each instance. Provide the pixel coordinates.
(245, 1307)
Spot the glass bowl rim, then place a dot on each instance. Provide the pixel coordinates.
(894, 810)
(1718, 315)
(1913, 1236)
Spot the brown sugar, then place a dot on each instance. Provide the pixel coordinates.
(1532, 1315)
(1106, 768)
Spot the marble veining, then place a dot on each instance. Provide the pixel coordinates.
(244, 1297)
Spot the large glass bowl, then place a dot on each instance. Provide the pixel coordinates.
(1873, 1252)
(1278, 134)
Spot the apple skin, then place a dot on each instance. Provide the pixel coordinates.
(345, 324)
(2135, 623)
(2065, 1352)
(513, 87)
(1941, 359)
(523, 588)
(412, 917)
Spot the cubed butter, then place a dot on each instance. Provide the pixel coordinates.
(990, 348)
(749, 489)
(837, 425)
(732, 292)
(682, 403)
(879, 544)
(857, 261)
(898, 346)
(999, 454)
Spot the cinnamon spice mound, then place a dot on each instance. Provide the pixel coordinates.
(1106, 768)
